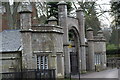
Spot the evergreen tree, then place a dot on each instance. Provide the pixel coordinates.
(91, 19)
(53, 8)
(115, 8)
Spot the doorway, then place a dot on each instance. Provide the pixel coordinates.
(74, 57)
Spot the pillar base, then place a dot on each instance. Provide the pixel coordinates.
(83, 71)
(67, 75)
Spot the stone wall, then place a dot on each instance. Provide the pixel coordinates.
(11, 61)
(100, 49)
(48, 40)
(72, 22)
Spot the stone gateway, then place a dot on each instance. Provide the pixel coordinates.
(62, 47)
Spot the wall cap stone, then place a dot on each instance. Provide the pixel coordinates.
(46, 25)
(89, 29)
(100, 32)
(43, 31)
(62, 3)
(42, 51)
(52, 18)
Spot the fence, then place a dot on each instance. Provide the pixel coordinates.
(113, 62)
(31, 74)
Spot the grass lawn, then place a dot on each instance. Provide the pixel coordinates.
(67, 79)
(71, 79)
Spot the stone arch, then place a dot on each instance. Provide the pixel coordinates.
(74, 49)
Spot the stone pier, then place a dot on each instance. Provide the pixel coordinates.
(62, 14)
(28, 59)
(80, 17)
(91, 64)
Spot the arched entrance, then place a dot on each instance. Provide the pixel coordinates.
(74, 51)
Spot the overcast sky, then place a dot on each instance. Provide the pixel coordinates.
(105, 18)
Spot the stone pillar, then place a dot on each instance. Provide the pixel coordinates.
(105, 60)
(58, 59)
(52, 21)
(80, 16)
(52, 63)
(60, 65)
(62, 15)
(28, 60)
(100, 33)
(102, 60)
(103, 50)
(1, 38)
(91, 63)
(25, 11)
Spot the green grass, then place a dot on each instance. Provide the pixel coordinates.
(68, 79)
(71, 79)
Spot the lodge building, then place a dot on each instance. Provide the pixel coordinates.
(50, 46)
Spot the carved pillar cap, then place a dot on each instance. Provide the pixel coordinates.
(100, 32)
(52, 18)
(25, 7)
(89, 29)
(62, 3)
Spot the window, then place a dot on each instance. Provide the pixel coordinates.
(42, 62)
(97, 58)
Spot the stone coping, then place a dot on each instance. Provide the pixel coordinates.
(46, 52)
(47, 25)
(96, 40)
(42, 31)
(9, 52)
(9, 58)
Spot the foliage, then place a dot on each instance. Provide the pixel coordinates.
(91, 19)
(115, 9)
(53, 8)
(115, 37)
(47, 9)
(44, 12)
(111, 47)
(11, 14)
(114, 52)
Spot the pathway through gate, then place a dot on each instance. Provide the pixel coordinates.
(110, 74)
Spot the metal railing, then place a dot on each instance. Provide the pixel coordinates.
(113, 62)
(30, 74)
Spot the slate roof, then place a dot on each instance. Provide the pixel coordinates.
(10, 40)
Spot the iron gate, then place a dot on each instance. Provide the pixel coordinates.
(113, 62)
(74, 63)
(44, 74)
